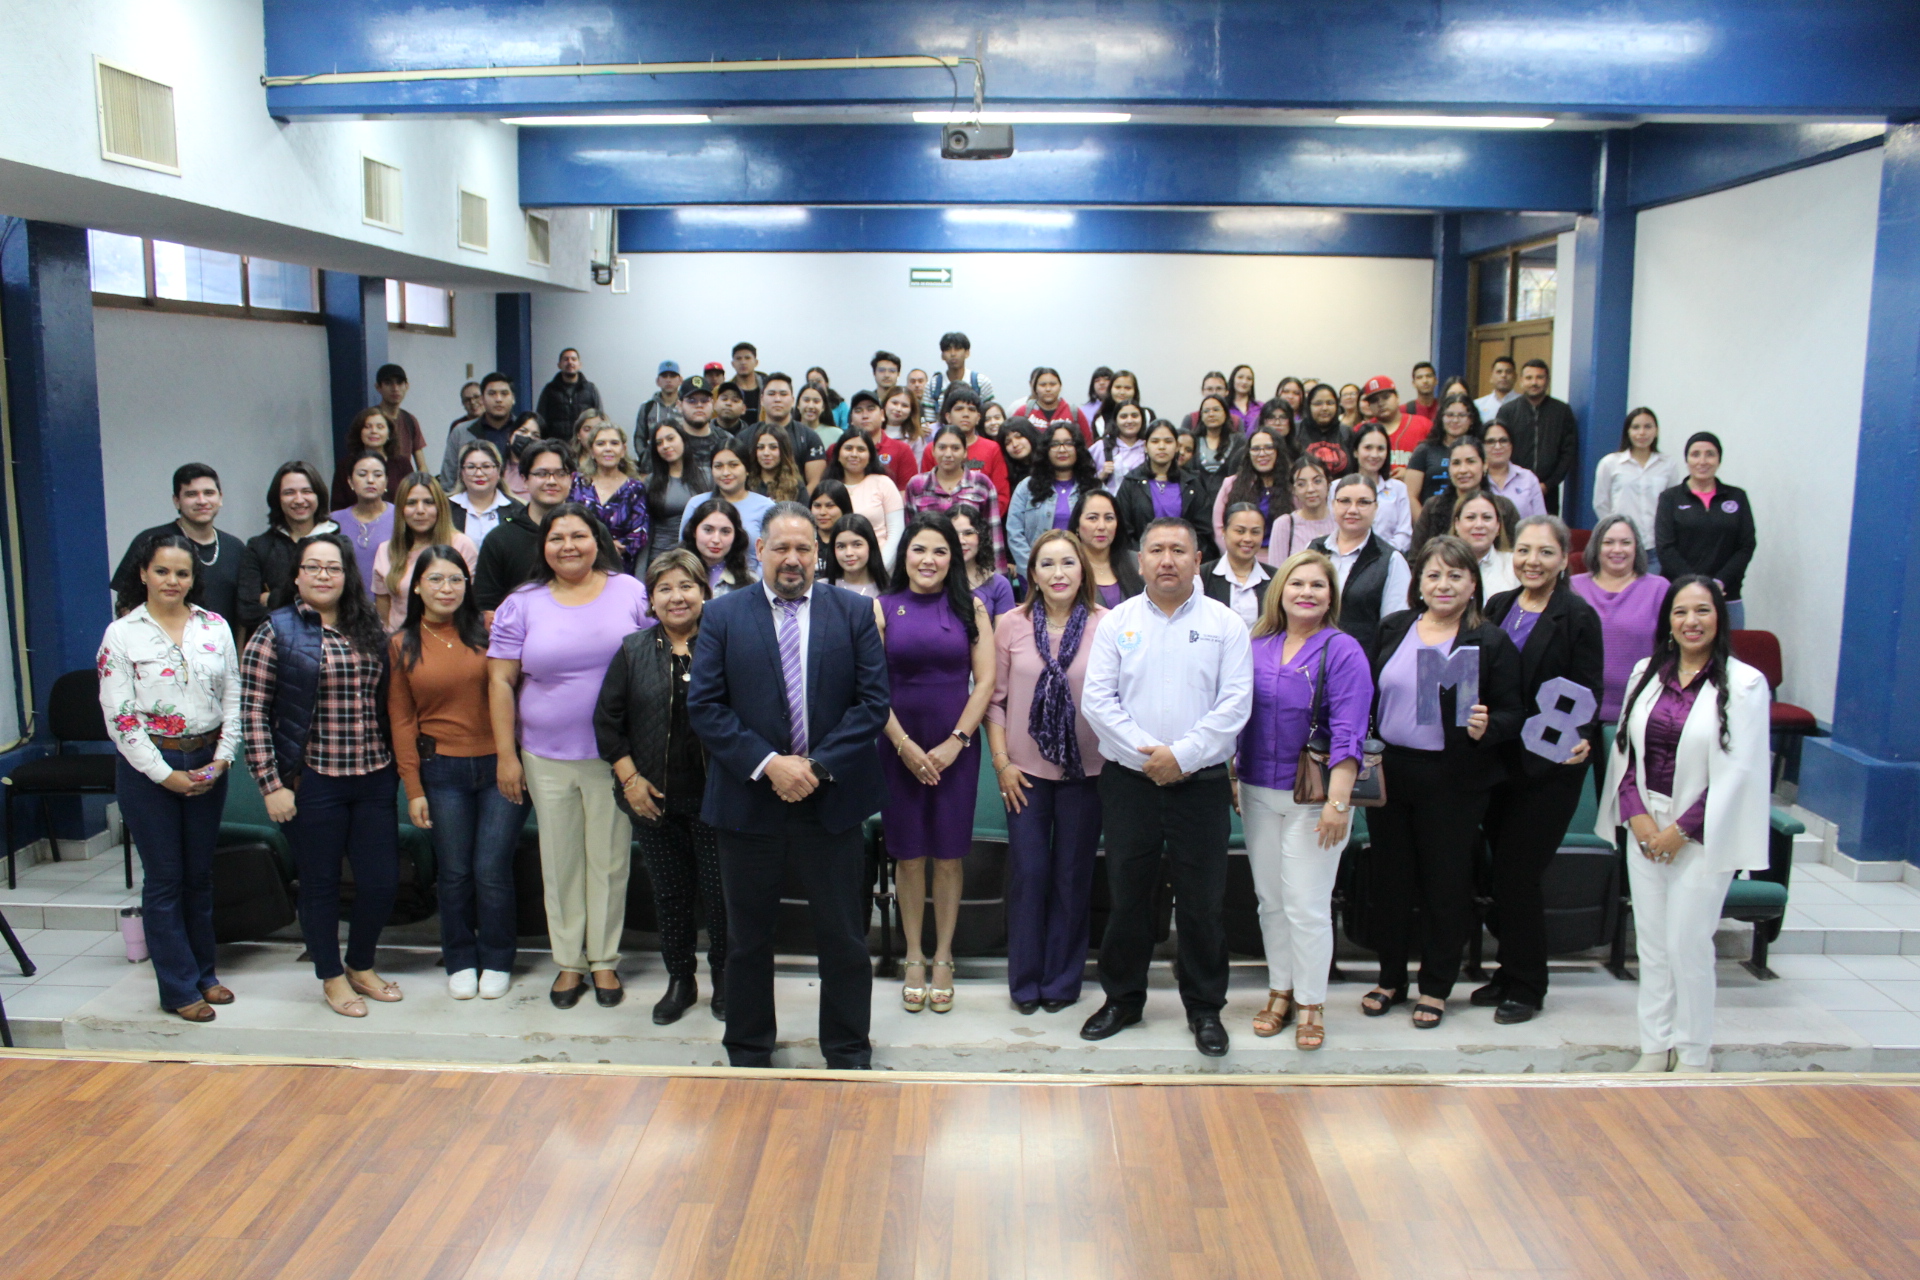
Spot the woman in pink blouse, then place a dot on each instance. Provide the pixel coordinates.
(1047, 762)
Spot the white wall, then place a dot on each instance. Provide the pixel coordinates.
(1563, 320)
(241, 395)
(1168, 317)
(1750, 321)
(437, 365)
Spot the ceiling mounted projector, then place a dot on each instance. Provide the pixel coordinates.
(976, 141)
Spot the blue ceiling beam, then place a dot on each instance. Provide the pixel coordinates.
(1679, 161)
(1846, 58)
(1059, 164)
(787, 229)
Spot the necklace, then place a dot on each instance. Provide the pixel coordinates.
(208, 564)
(435, 634)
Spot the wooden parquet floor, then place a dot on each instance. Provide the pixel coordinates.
(138, 1169)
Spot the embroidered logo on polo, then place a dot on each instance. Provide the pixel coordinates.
(1194, 637)
(1128, 641)
(1730, 506)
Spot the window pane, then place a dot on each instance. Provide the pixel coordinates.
(188, 274)
(1491, 305)
(118, 266)
(280, 286)
(429, 306)
(1538, 283)
(393, 302)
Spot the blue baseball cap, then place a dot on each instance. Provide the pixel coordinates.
(667, 366)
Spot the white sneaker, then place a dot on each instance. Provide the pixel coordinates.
(1653, 1062)
(462, 983)
(1689, 1068)
(494, 983)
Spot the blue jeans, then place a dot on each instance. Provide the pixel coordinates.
(352, 816)
(175, 836)
(475, 833)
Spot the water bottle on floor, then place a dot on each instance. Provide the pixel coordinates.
(133, 931)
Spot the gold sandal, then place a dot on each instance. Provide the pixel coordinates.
(1277, 1014)
(913, 999)
(940, 999)
(1309, 1032)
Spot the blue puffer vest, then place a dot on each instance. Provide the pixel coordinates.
(298, 658)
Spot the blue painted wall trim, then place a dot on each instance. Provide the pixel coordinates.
(752, 229)
(1484, 232)
(1449, 297)
(1602, 319)
(1843, 57)
(513, 345)
(1059, 164)
(1868, 777)
(1679, 161)
(356, 315)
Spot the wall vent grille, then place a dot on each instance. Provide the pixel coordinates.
(136, 119)
(379, 193)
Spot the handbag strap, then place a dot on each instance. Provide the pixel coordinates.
(1319, 689)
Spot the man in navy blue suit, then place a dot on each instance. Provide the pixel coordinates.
(789, 695)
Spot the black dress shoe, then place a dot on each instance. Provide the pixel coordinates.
(1209, 1034)
(1107, 1020)
(1489, 996)
(1055, 1006)
(681, 996)
(718, 1003)
(607, 997)
(571, 996)
(1027, 1006)
(1515, 1011)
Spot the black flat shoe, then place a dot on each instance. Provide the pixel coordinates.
(1027, 1006)
(1108, 1020)
(1055, 1006)
(718, 1002)
(682, 994)
(607, 997)
(1489, 996)
(1209, 1034)
(1515, 1011)
(570, 996)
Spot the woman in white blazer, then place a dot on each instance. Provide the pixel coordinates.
(1689, 778)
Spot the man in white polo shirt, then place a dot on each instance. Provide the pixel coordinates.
(1169, 686)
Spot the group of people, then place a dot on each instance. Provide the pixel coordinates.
(768, 617)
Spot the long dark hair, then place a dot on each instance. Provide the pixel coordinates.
(787, 480)
(1118, 558)
(606, 556)
(959, 588)
(1228, 429)
(982, 535)
(1019, 469)
(466, 618)
(1475, 428)
(1094, 381)
(736, 561)
(836, 493)
(276, 518)
(876, 465)
(136, 593)
(1247, 484)
(1040, 480)
(659, 476)
(1626, 430)
(876, 562)
(354, 617)
(1666, 655)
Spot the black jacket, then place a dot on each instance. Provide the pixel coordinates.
(562, 403)
(508, 558)
(1546, 438)
(1565, 643)
(508, 507)
(1718, 543)
(1363, 599)
(1475, 766)
(634, 714)
(1216, 586)
(267, 565)
(1134, 503)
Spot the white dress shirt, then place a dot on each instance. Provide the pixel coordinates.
(1623, 487)
(1245, 595)
(1496, 573)
(803, 617)
(1393, 596)
(1185, 681)
(1489, 404)
(481, 523)
(1393, 516)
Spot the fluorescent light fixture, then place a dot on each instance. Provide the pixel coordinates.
(619, 119)
(776, 216)
(1023, 117)
(1037, 219)
(1449, 122)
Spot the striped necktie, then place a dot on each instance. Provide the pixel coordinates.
(795, 674)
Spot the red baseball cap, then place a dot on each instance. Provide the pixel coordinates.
(1376, 385)
(717, 372)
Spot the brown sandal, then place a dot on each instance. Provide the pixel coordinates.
(1277, 1014)
(198, 1011)
(218, 994)
(1309, 1032)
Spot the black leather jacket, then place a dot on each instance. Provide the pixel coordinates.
(634, 715)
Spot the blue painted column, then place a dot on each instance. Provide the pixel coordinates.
(46, 298)
(356, 312)
(1449, 297)
(513, 344)
(1602, 324)
(1866, 777)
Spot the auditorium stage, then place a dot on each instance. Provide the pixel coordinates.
(302, 1172)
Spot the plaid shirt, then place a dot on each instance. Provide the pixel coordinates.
(923, 493)
(346, 740)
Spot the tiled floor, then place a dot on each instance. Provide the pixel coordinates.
(1823, 898)
(70, 895)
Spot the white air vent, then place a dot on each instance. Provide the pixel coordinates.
(473, 221)
(136, 119)
(379, 193)
(539, 240)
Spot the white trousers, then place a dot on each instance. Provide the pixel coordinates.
(1293, 877)
(1676, 908)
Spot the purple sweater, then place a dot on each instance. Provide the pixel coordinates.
(1628, 620)
(1283, 697)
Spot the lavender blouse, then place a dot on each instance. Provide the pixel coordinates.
(1628, 619)
(1283, 700)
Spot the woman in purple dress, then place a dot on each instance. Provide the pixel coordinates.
(937, 635)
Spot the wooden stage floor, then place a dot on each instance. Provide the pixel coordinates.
(130, 1168)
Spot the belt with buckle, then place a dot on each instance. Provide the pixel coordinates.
(191, 743)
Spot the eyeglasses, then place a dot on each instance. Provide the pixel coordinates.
(437, 580)
(547, 473)
(314, 569)
(475, 468)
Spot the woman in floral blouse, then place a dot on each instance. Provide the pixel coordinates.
(170, 689)
(609, 485)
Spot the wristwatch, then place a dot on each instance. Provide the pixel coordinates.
(1340, 806)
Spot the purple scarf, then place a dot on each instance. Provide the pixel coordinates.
(1051, 717)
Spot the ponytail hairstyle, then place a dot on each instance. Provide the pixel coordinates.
(1666, 657)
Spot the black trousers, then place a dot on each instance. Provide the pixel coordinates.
(1525, 819)
(1424, 840)
(683, 862)
(832, 866)
(1185, 827)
